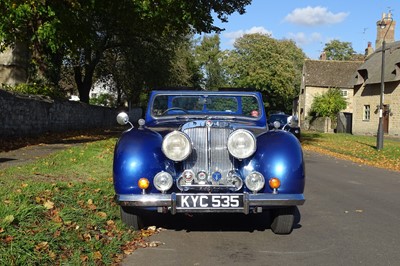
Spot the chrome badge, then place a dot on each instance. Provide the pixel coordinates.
(216, 176)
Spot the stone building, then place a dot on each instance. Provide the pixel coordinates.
(320, 75)
(367, 88)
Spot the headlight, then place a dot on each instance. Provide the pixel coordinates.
(163, 181)
(176, 146)
(255, 181)
(241, 144)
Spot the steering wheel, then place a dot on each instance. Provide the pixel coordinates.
(175, 108)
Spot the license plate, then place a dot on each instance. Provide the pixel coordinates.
(209, 201)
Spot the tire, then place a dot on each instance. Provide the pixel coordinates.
(283, 220)
(132, 218)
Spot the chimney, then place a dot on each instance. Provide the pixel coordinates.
(388, 30)
(369, 50)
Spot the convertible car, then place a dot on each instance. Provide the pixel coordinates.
(207, 152)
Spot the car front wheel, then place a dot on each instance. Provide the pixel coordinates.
(283, 220)
(132, 218)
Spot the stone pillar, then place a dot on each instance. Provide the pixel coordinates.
(14, 64)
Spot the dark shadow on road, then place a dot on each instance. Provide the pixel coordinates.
(216, 222)
(3, 160)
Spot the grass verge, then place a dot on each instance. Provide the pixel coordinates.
(360, 149)
(60, 210)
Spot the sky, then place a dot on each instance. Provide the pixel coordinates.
(311, 24)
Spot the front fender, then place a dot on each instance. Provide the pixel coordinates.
(279, 154)
(137, 154)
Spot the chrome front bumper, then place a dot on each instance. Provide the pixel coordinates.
(167, 202)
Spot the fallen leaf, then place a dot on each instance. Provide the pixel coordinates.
(52, 255)
(84, 258)
(97, 255)
(8, 239)
(8, 219)
(49, 205)
(42, 246)
(87, 237)
(154, 244)
(102, 214)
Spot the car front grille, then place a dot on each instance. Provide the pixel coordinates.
(210, 153)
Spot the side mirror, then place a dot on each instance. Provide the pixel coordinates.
(293, 121)
(122, 118)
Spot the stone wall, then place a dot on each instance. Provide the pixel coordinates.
(27, 115)
(319, 124)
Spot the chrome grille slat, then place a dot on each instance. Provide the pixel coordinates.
(220, 159)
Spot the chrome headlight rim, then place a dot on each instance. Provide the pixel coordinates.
(187, 148)
(163, 181)
(255, 185)
(251, 148)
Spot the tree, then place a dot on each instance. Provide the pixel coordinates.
(328, 104)
(271, 66)
(208, 54)
(337, 50)
(80, 32)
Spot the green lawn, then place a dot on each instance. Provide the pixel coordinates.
(360, 149)
(60, 210)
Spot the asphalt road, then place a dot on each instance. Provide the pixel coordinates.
(351, 217)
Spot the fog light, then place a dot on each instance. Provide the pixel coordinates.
(143, 183)
(235, 180)
(163, 181)
(255, 181)
(188, 176)
(202, 177)
(274, 183)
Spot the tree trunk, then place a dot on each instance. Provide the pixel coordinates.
(84, 83)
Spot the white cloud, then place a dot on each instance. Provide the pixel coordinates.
(232, 36)
(314, 16)
(302, 39)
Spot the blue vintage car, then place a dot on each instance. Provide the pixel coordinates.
(204, 152)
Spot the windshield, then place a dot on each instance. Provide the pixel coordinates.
(205, 105)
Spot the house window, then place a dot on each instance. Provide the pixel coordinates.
(367, 112)
(343, 93)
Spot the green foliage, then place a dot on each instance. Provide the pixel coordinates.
(268, 65)
(104, 99)
(36, 89)
(141, 35)
(208, 54)
(328, 104)
(337, 50)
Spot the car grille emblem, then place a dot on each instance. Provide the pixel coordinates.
(217, 176)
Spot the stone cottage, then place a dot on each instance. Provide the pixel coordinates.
(320, 75)
(367, 88)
